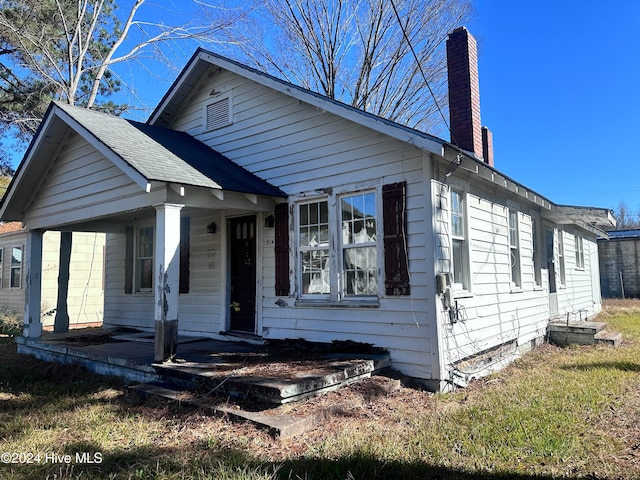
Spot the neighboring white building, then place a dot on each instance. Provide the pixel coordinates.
(250, 208)
(85, 301)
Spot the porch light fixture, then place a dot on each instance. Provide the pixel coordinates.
(269, 221)
(212, 227)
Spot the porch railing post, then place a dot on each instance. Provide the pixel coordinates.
(167, 283)
(33, 285)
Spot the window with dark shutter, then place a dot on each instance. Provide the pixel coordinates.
(282, 249)
(128, 260)
(396, 266)
(185, 242)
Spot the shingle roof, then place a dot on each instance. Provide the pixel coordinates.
(161, 154)
(633, 233)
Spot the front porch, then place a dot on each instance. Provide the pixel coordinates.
(276, 372)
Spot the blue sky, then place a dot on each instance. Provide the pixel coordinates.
(560, 90)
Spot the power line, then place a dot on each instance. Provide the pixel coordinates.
(424, 77)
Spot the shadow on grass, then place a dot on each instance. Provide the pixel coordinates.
(621, 366)
(362, 466)
(25, 375)
(200, 462)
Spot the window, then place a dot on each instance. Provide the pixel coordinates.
(458, 242)
(537, 264)
(563, 277)
(139, 263)
(514, 251)
(346, 268)
(16, 267)
(1, 267)
(359, 247)
(314, 248)
(144, 260)
(579, 252)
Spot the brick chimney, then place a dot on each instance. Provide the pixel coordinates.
(464, 95)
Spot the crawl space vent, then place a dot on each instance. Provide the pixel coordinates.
(218, 114)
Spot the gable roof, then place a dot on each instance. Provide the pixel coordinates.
(592, 219)
(202, 60)
(151, 152)
(165, 155)
(145, 153)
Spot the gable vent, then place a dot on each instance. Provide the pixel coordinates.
(218, 114)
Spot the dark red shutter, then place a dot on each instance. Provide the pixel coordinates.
(282, 248)
(128, 260)
(185, 242)
(396, 267)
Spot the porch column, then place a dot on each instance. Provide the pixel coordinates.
(61, 322)
(167, 271)
(33, 284)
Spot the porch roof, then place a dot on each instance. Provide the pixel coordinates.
(146, 153)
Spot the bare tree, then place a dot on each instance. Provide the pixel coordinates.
(371, 54)
(66, 49)
(625, 218)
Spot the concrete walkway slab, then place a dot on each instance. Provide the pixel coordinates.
(277, 372)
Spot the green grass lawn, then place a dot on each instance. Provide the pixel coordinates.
(556, 413)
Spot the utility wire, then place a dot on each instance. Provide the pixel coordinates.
(424, 77)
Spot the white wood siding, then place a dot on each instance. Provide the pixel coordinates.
(577, 297)
(85, 300)
(494, 313)
(302, 149)
(200, 310)
(82, 184)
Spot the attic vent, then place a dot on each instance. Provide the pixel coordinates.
(218, 114)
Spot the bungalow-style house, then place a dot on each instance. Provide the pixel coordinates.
(249, 208)
(85, 296)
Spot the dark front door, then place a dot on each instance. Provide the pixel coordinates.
(242, 258)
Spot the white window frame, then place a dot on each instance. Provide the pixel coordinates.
(16, 266)
(137, 259)
(1, 267)
(515, 262)
(579, 246)
(334, 280)
(536, 253)
(365, 245)
(561, 264)
(459, 236)
(320, 286)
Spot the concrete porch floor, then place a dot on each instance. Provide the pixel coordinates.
(275, 372)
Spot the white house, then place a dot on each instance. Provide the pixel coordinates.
(249, 208)
(85, 297)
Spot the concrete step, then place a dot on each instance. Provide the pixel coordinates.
(588, 328)
(582, 333)
(605, 337)
(284, 426)
(326, 376)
